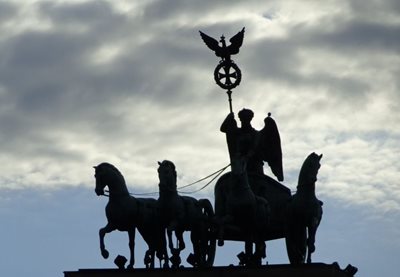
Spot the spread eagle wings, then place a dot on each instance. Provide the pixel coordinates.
(270, 147)
(223, 52)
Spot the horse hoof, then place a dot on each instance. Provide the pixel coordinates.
(105, 254)
(166, 265)
(130, 266)
(221, 242)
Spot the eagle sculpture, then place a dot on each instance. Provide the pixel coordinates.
(224, 52)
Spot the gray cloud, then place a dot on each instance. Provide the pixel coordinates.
(97, 83)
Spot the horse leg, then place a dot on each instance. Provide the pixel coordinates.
(170, 243)
(221, 235)
(311, 241)
(152, 258)
(162, 253)
(260, 252)
(162, 256)
(245, 257)
(221, 228)
(175, 258)
(131, 234)
(149, 258)
(199, 242)
(102, 232)
(181, 242)
(296, 240)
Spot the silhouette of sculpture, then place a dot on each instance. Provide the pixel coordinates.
(126, 213)
(224, 52)
(304, 213)
(184, 213)
(246, 211)
(227, 74)
(252, 145)
(249, 205)
(251, 148)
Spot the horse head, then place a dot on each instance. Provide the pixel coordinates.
(167, 175)
(309, 170)
(107, 175)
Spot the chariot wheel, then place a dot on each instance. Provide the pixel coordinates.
(227, 75)
(211, 241)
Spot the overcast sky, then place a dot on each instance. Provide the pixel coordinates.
(131, 83)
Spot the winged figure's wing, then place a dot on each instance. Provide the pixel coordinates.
(211, 43)
(236, 42)
(270, 147)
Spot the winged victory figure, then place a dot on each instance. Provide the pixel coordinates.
(256, 146)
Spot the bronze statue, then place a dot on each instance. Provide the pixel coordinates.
(183, 213)
(254, 146)
(223, 51)
(227, 74)
(250, 206)
(127, 213)
(304, 213)
(244, 211)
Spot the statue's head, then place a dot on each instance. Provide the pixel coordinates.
(246, 115)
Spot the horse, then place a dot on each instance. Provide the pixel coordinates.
(304, 213)
(127, 213)
(241, 211)
(184, 213)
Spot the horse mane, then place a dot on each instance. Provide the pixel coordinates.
(309, 170)
(111, 168)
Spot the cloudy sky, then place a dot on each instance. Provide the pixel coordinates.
(131, 83)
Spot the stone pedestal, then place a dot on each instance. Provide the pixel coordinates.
(307, 270)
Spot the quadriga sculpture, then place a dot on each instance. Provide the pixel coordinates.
(184, 213)
(127, 213)
(304, 213)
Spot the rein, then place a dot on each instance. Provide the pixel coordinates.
(216, 173)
